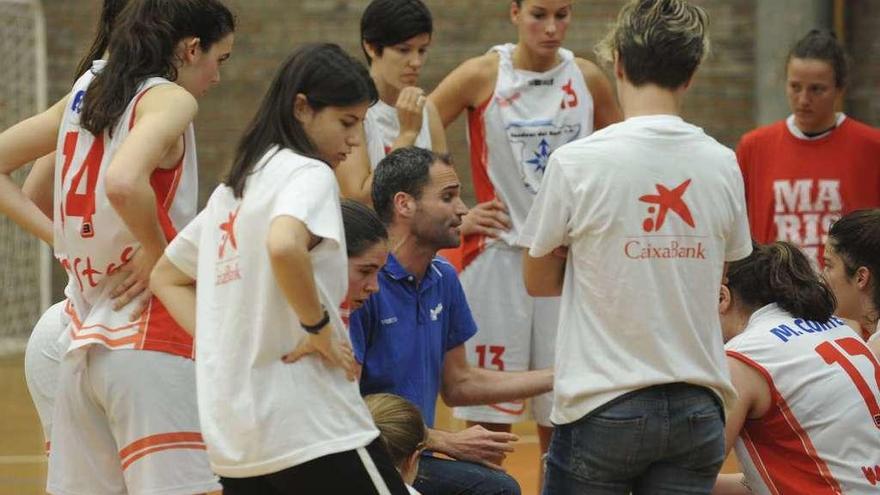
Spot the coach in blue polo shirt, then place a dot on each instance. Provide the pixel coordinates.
(409, 337)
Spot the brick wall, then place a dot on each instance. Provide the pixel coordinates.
(721, 100)
(863, 44)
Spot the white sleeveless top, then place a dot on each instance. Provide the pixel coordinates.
(91, 240)
(382, 127)
(511, 136)
(822, 432)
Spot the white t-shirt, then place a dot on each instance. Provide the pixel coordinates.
(650, 208)
(381, 127)
(258, 414)
(820, 434)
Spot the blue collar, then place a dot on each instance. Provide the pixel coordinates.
(396, 271)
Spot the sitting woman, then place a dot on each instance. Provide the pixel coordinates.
(852, 260)
(402, 430)
(805, 380)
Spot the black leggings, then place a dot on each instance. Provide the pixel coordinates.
(344, 472)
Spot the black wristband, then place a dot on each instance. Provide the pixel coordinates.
(317, 326)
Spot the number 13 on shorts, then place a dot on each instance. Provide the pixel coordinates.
(495, 356)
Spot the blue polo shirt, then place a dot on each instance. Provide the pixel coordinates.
(402, 332)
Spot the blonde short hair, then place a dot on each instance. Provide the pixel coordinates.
(659, 42)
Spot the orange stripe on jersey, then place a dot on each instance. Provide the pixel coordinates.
(157, 443)
(188, 446)
(784, 448)
(473, 245)
(759, 464)
(124, 341)
(160, 439)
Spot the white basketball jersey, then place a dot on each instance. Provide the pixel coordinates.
(512, 134)
(382, 127)
(821, 434)
(91, 240)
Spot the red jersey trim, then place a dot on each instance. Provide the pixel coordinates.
(157, 443)
(796, 466)
(484, 190)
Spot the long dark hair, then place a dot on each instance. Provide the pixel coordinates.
(856, 239)
(109, 10)
(327, 77)
(143, 44)
(822, 44)
(780, 273)
(363, 229)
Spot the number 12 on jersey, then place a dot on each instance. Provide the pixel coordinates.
(76, 203)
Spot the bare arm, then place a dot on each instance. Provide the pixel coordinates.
(438, 133)
(289, 243)
(465, 385)
(731, 484)
(544, 276)
(177, 291)
(605, 108)
(355, 175)
(163, 115)
(753, 402)
(467, 86)
(40, 183)
(19, 145)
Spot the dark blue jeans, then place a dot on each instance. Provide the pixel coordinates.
(444, 477)
(667, 439)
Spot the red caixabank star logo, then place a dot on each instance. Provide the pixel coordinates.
(663, 202)
(228, 234)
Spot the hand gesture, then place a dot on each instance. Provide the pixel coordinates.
(409, 106)
(333, 351)
(482, 446)
(136, 284)
(489, 219)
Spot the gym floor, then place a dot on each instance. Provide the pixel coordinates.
(23, 462)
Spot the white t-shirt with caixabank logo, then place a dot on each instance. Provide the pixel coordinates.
(258, 414)
(651, 208)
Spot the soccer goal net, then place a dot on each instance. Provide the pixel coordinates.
(24, 261)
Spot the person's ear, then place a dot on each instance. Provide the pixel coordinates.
(302, 111)
(404, 205)
(725, 300)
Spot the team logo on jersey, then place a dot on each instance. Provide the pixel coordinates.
(435, 313)
(539, 162)
(228, 234)
(77, 104)
(663, 202)
(570, 98)
(227, 253)
(652, 246)
(533, 142)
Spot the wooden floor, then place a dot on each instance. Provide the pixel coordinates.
(23, 463)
